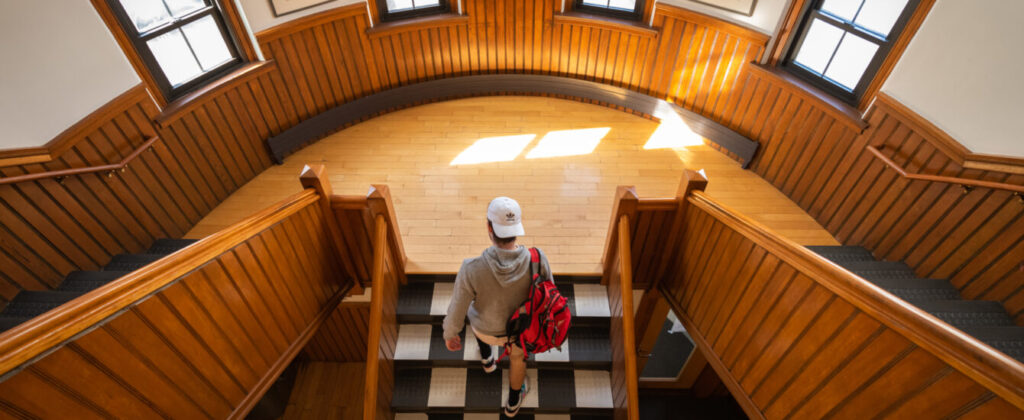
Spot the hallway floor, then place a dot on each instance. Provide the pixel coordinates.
(561, 159)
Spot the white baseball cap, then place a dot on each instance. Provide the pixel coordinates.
(506, 217)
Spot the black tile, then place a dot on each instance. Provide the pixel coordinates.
(438, 351)
(415, 298)
(567, 290)
(483, 390)
(412, 389)
(556, 389)
(589, 344)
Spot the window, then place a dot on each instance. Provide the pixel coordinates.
(841, 43)
(627, 9)
(391, 10)
(183, 43)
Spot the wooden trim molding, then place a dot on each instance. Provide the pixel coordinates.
(604, 22)
(994, 370)
(72, 135)
(306, 22)
(712, 22)
(786, 32)
(36, 337)
(180, 107)
(839, 110)
(407, 25)
(945, 142)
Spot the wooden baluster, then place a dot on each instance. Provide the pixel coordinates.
(315, 176)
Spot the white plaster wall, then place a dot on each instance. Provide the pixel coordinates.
(766, 18)
(59, 64)
(962, 71)
(261, 16)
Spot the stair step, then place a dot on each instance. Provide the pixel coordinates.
(843, 253)
(169, 246)
(918, 290)
(453, 389)
(450, 278)
(427, 302)
(968, 313)
(130, 262)
(422, 345)
(30, 303)
(1007, 339)
(84, 281)
(878, 270)
(8, 322)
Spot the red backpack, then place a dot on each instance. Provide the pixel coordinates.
(542, 320)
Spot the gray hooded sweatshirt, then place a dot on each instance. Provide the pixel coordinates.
(491, 287)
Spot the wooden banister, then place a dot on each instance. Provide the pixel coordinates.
(1017, 189)
(380, 247)
(39, 335)
(63, 173)
(628, 332)
(1001, 374)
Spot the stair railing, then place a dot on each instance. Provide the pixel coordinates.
(792, 334)
(967, 184)
(205, 331)
(110, 169)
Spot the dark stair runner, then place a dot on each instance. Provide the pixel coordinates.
(31, 303)
(984, 320)
(432, 382)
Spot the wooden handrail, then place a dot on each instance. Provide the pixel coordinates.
(1017, 189)
(63, 173)
(380, 247)
(989, 367)
(39, 335)
(628, 332)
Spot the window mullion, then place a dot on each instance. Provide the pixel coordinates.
(833, 56)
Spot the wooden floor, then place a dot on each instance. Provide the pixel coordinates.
(566, 200)
(327, 391)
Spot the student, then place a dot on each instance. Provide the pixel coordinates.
(491, 287)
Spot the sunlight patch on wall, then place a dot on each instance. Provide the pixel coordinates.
(673, 133)
(494, 149)
(568, 142)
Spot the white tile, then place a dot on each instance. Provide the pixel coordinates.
(554, 355)
(442, 295)
(447, 387)
(593, 388)
(590, 300)
(531, 395)
(411, 416)
(413, 342)
(472, 349)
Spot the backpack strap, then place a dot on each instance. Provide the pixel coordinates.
(534, 264)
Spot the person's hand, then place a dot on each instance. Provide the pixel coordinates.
(455, 344)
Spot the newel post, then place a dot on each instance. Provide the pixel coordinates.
(315, 176)
(379, 201)
(625, 203)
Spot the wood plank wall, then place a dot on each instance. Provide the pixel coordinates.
(51, 228)
(342, 337)
(816, 157)
(796, 349)
(204, 347)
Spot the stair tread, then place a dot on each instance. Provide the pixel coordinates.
(915, 290)
(130, 262)
(423, 345)
(551, 390)
(968, 313)
(8, 322)
(879, 269)
(168, 246)
(84, 281)
(495, 415)
(427, 302)
(843, 253)
(1007, 339)
(30, 303)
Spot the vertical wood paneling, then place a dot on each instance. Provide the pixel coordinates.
(200, 348)
(342, 338)
(791, 347)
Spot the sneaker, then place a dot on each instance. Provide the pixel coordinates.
(512, 411)
(490, 363)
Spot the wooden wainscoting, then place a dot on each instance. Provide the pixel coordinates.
(342, 337)
(791, 335)
(206, 344)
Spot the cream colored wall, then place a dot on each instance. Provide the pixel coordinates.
(60, 63)
(962, 71)
(766, 18)
(261, 16)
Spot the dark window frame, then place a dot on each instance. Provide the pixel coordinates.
(385, 15)
(885, 44)
(637, 14)
(138, 41)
